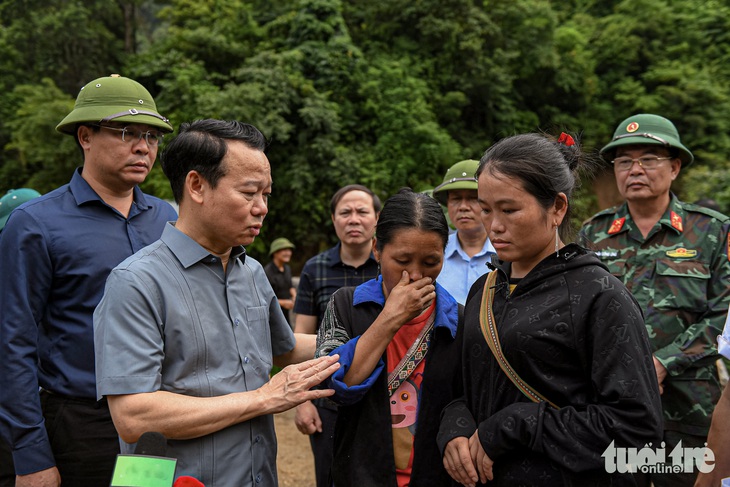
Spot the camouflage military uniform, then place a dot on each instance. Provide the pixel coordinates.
(680, 275)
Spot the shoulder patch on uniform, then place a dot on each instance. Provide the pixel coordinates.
(617, 225)
(682, 253)
(676, 221)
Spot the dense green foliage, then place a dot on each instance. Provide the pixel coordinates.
(385, 93)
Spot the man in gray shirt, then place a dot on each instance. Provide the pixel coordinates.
(189, 327)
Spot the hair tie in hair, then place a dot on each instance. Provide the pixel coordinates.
(566, 139)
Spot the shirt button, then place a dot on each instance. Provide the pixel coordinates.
(258, 438)
(246, 360)
(258, 479)
(236, 322)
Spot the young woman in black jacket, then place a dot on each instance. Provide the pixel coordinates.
(571, 337)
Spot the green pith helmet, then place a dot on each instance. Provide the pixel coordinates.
(647, 129)
(280, 244)
(114, 98)
(459, 176)
(13, 199)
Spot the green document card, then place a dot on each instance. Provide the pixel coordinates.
(143, 471)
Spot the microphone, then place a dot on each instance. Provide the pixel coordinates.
(148, 466)
(187, 481)
(152, 444)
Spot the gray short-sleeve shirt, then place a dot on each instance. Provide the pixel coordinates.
(171, 320)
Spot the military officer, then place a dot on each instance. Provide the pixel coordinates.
(673, 257)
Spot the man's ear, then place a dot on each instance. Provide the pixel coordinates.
(196, 186)
(84, 133)
(375, 250)
(676, 167)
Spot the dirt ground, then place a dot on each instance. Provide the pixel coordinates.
(294, 460)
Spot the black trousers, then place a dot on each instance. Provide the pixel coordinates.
(323, 445)
(7, 472)
(84, 441)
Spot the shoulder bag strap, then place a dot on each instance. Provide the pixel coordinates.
(489, 330)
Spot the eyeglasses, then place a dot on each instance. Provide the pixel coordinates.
(133, 136)
(646, 162)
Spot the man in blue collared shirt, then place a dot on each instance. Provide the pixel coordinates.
(189, 327)
(468, 249)
(56, 252)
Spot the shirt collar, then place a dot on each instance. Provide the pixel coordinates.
(447, 309)
(674, 216)
(333, 255)
(370, 291)
(453, 246)
(625, 224)
(674, 207)
(190, 252)
(84, 193)
(334, 259)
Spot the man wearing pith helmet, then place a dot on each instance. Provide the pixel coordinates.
(673, 257)
(468, 249)
(278, 273)
(55, 255)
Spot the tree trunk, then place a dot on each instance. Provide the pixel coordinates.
(130, 47)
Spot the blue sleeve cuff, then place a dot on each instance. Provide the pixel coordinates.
(33, 458)
(345, 394)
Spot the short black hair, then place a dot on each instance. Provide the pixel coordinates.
(201, 146)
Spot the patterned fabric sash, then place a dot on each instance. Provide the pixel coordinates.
(415, 354)
(489, 330)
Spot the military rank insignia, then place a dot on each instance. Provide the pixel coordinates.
(682, 253)
(617, 225)
(676, 221)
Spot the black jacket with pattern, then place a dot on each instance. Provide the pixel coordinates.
(574, 333)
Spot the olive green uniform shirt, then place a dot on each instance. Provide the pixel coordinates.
(680, 275)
